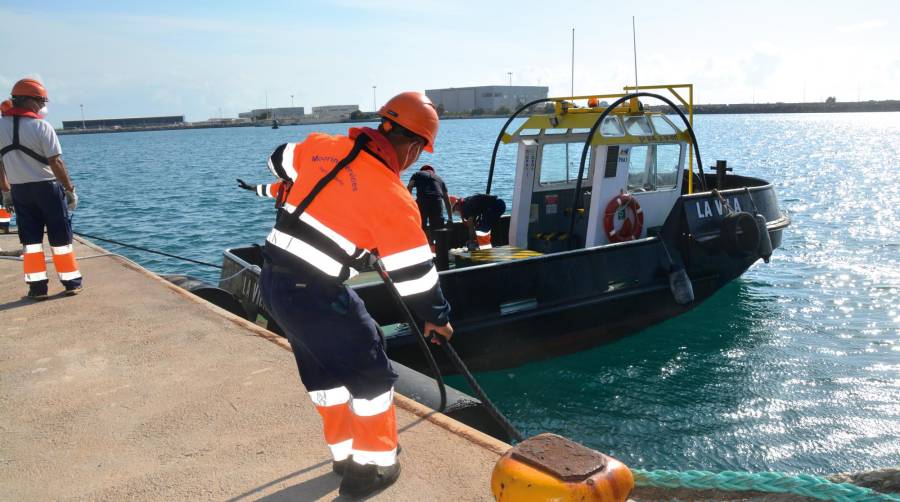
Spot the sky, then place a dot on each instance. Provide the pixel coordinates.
(208, 59)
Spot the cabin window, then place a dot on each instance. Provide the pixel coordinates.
(662, 125)
(667, 159)
(612, 127)
(559, 162)
(637, 169)
(653, 167)
(638, 126)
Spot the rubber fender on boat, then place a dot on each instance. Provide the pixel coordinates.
(550, 467)
(461, 407)
(208, 292)
(765, 241)
(739, 234)
(680, 285)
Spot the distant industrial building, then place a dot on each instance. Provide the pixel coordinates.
(334, 112)
(287, 113)
(487, 98)
(172, 120)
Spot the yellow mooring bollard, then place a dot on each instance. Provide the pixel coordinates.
(550, 467)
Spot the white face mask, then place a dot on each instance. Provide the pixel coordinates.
(43, 110)
(412, 154)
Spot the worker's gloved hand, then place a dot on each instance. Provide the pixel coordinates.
(245, 186)
(8, 202)
(71, 200)
(434, 331)
(472, 246)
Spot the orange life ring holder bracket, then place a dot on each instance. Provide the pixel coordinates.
(629, 230)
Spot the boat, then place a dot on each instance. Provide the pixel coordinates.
(274, 124)
(637, 234)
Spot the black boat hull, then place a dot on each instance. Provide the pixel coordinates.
(509, 313)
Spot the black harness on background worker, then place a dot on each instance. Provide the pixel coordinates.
(18, 146)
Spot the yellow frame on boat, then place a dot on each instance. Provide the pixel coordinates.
(567, 115)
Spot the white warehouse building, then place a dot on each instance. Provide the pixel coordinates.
(488, 98)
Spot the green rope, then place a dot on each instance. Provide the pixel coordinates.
(774, 482)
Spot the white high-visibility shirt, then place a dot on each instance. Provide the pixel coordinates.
(36, 134)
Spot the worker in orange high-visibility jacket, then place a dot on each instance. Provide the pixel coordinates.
(345, 205)
(34, 178)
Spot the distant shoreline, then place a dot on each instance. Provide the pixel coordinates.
(707, 109)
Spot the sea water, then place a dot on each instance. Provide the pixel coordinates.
(793, 367)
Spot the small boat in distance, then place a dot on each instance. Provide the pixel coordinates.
(274, 123)
(631, 235)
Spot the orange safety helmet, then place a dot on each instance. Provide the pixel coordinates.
(31, 88)
(5, 105)
(415, 112)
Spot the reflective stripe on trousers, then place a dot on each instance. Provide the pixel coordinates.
(33, 263)
(64, 261)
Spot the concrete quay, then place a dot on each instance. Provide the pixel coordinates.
(137, 390)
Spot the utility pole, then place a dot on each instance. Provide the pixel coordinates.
(374, 109)
(82, 117)
(292, 100)
(510, 78)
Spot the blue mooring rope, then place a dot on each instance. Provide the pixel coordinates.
(773, 482)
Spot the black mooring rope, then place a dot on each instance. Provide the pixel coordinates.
(452, 355)
(191, 260)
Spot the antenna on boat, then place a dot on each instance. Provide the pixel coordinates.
(572, 89)
(634, 46)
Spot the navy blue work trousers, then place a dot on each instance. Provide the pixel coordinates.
(430, 210)
(335, 340)
(40, 205)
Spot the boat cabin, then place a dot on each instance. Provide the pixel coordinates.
(634, 151)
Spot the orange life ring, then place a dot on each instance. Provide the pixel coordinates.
(629, 230)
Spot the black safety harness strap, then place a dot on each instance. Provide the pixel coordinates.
(358, 145)
(17, 146)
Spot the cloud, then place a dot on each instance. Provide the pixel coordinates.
(871, 24)
(759, 67)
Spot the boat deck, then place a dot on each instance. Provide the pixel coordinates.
(137, 390)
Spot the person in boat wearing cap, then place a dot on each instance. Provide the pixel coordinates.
(34, 180)
(479, 212)
(431, 192)
(345, 205)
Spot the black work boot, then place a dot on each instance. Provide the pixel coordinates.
(37, 292)
(361, 480)
(339, 466)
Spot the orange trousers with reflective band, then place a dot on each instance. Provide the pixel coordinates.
(35, 266)
(358, 427)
